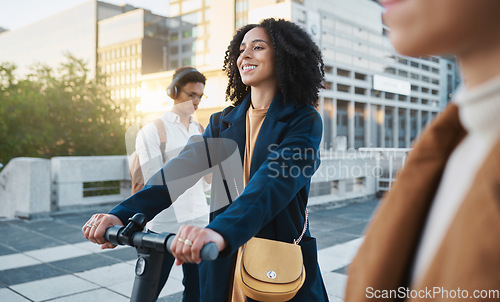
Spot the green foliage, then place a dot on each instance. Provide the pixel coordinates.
(58, 113)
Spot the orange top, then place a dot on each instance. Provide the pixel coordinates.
(255, 118)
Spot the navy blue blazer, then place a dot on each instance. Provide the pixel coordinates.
(273, 203)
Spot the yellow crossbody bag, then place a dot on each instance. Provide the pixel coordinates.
(270, 270)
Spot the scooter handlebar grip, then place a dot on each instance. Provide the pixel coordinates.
(209, 251)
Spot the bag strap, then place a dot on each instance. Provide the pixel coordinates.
(163, 137)
(297, 241)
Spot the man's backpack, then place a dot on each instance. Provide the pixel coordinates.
(134, 165)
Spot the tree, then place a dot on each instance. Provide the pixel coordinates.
(57, 113)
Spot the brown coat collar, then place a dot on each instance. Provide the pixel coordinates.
(467, 253)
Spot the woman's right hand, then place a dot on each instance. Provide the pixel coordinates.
(95, 228)
(189, 241)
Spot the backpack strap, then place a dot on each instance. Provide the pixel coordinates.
(163, 137)
(200, 127)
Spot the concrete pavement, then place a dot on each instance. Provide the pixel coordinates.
(47, 259)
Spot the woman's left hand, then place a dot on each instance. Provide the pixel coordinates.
(189, 241)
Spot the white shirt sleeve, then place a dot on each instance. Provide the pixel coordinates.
(207, 185)
(147, 147)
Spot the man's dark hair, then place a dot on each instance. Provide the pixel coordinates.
(299, 63)
(192, 77)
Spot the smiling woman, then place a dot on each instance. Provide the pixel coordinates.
(294, 57)
(256, 64)
(275, 72)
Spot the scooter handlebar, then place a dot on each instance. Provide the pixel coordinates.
(158, 241)
(209, 251)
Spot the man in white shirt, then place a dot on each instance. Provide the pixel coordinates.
(186, 90)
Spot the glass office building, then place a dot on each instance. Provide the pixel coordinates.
(121, 42)
(46, 41)
(373, 97)
(130, 45)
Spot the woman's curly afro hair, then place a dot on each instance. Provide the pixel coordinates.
(299, 64)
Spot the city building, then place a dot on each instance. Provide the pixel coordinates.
(451, 79)
(46, 41)
(130, 45)
(373, 97)
(199, 33)
(74, 31)
(120, 42)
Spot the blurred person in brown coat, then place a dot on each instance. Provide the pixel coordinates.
(436, 234)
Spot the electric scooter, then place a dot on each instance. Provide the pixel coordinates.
(151, 248)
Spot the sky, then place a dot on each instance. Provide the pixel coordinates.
(15, 14)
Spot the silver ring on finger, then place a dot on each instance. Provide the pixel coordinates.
(188, 242)
(181, 240)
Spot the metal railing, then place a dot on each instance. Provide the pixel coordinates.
(390, 161)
